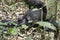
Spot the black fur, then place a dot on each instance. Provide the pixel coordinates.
(34, 3)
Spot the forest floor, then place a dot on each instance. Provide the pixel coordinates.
(11, 11)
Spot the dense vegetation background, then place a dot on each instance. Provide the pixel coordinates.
(10, 9)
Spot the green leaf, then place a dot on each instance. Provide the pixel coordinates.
(9, 30)
(14, 6)
(38, 29)
(3, 23)
(13, 23)
(1, 28)
(28, 38)
(24, 26)
(13, 31)
(46, 24)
